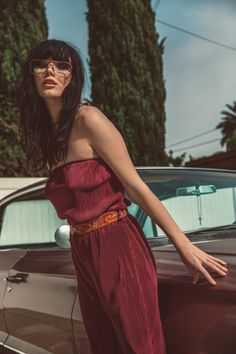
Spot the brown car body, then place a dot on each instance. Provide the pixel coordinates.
(39, 307)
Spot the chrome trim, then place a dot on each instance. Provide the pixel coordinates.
(11, 348)
(186, 168)
(23, 191)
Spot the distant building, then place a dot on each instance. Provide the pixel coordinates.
(224, 160)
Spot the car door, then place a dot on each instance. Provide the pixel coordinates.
(8, 257)
(41, 284)
(197, 319)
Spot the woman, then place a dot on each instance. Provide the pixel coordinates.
(89, 170)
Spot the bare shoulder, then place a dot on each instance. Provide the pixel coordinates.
(89, 109)
(97, 125)
(90, 115)
(109, 144)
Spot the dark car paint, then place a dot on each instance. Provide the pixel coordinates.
(7, 260)
(198, 318)
(51, 278)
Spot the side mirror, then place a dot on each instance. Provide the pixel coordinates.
(62, 236)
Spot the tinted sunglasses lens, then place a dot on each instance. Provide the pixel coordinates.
(62, 66)
(38, 66)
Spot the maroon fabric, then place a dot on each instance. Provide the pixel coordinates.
(84, 189)
(116, 270)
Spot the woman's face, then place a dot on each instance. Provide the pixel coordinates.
(51, 78)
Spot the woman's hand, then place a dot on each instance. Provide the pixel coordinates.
(197, 261)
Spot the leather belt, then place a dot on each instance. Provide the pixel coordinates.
(102, 220)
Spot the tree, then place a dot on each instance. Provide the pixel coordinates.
(176, 161)
(228, 127)
(23, 24)
(127, 74)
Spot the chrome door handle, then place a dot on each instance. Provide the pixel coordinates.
(17, 278)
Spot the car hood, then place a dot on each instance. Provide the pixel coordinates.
(223, 246)
(172, 270)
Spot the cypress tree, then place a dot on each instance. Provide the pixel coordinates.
(23, 24)
(127, 74)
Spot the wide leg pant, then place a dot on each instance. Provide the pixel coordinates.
(118, 289)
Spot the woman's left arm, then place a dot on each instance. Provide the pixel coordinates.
(109, 144)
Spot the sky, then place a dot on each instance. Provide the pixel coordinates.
(199, 75)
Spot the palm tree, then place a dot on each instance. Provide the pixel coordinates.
(228, 127)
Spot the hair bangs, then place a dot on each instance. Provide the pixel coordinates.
(57, 50)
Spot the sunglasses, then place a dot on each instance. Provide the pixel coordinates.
(39, 66)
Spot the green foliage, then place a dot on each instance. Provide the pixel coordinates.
(127, 74)
(23, 24)
(178, 160)
(228, 127)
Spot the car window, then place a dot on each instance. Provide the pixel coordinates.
(196, 199)
(149, 228)
(29, 221)
(133, 208)
(203, 211)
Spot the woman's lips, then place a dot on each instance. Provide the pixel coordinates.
(49, 85)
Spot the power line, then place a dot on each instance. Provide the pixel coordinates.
(193, 137)
(193, 146)
(197, 35)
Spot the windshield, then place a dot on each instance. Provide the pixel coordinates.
(195, 199)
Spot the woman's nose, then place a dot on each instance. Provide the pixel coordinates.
(50, 68)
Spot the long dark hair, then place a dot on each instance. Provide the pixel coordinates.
(43, 144)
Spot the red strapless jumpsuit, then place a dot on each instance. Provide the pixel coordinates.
(115, 267)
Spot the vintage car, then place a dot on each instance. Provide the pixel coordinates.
(39, 307)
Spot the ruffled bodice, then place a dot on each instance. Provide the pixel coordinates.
(84, 189)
